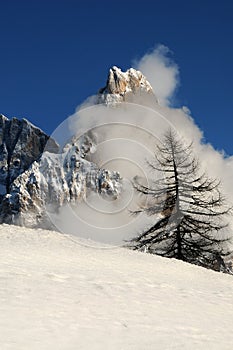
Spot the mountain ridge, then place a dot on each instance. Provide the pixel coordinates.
(34, 173)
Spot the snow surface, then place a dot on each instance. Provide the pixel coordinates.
(58, 293)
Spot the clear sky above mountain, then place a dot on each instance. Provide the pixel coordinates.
(54, 54)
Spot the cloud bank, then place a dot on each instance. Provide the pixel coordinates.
(161, 71)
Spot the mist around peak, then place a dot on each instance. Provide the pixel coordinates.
(127, 119)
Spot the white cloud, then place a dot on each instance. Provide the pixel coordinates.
(161, 72)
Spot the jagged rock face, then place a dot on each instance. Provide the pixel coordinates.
(123, 86)
(21, 143)
(31, 182)
(25, 203)
(55, 180)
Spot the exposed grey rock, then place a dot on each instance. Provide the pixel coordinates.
(33, 180)
(54, 180)
(21, 143)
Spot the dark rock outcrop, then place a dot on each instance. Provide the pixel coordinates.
(34, 174)
(21, 143)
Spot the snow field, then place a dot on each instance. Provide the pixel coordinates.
(58, 293)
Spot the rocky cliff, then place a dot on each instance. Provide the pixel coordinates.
(125, 87)
(32, 179)
(21, 143)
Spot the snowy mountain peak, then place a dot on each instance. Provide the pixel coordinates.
(121, 86)
(33, 177)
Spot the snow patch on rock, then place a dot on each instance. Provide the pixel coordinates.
(123, 86)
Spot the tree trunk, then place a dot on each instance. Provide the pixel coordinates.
(179, 246)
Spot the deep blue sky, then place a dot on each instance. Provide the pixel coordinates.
(55, 53)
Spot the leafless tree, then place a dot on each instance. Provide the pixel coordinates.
(189, 209)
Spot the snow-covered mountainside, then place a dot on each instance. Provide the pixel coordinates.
(29, 183)
(54, 180)
(21, 143)
(58, 293)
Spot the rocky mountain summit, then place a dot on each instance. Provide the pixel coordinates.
(35, 174)
(125, 86)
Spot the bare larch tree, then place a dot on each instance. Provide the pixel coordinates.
(188, 207)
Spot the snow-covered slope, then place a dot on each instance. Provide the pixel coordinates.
(58, 293)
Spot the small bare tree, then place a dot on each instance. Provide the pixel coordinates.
(189, 209)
